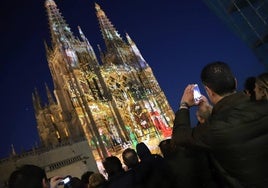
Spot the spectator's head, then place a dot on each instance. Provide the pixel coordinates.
(218, 80)
(28, 176)
(85, 176)
(130, 158)
(143, 151)
(249, 87)
(96, 180)
(261, 87)
(166, 148)
(112, 166)
(203, 113)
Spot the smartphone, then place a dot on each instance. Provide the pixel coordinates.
(65, 180)
(197, 94)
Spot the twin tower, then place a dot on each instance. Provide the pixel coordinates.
(113, 101)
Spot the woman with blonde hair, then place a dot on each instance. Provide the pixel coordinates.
(96, 180)
(261, 87)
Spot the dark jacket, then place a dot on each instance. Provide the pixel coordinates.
(236, 136)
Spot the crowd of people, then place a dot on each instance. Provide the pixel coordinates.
(142, 169)
(227, 148)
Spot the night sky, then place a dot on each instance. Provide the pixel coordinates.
(176, 38)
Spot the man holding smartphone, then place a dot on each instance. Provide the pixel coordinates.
(32, 176)
(236, 133)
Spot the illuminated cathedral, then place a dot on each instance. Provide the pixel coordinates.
(113, 101)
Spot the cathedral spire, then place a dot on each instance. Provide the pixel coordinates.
(36, 101)
(109, 33)
(89, 47)
(136, 51)
(49, 95)
(13, 151)
(59, 29)
(82, 34)
(101, 54)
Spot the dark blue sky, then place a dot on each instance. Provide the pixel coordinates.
(176, 38)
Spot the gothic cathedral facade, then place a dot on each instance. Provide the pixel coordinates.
(113, 101)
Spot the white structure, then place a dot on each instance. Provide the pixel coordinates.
(67, 159)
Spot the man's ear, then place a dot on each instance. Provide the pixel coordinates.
(208, 91)
(45, 183)
(210, 94)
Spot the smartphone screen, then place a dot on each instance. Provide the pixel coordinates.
(65, 180)
(197, 94)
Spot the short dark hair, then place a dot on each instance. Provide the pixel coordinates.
(85, 176)
(130, 157)
(166, 148)
(112, 166)
(249, 86)
(219, 78)
(250, 83)
(143, 151)
(27, 176)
